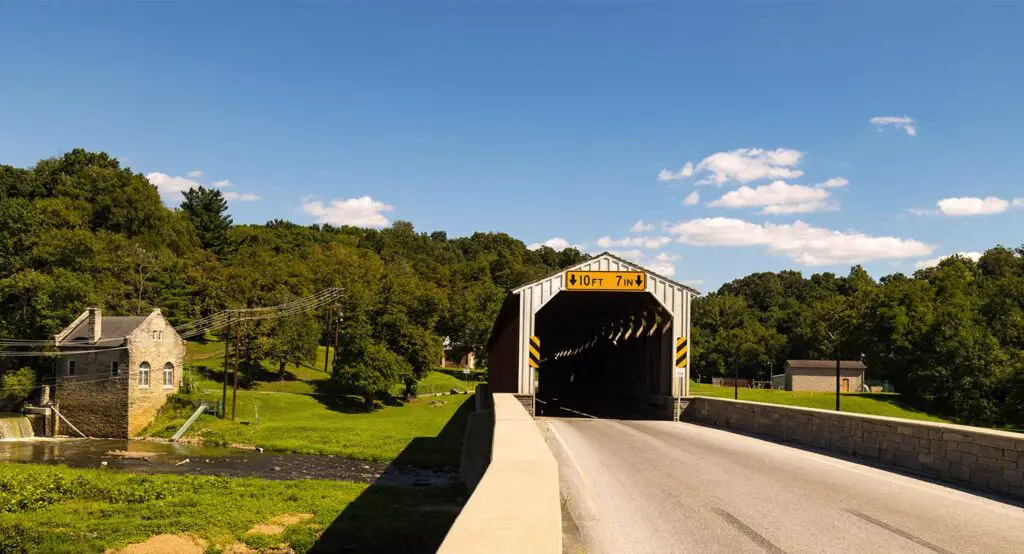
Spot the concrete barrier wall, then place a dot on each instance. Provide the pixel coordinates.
(515, 507)
(983, 458)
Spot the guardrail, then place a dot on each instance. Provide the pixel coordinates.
(515, 507)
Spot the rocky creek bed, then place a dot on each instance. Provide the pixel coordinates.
(182, 459)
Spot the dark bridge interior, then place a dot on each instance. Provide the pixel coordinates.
(602, 354)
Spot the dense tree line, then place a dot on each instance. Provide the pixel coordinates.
(81, 230)
(950, 337)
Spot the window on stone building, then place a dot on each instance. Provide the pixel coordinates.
(168, 375)
(71, 368)
(144, 374)
(113, 369)
(158, 335)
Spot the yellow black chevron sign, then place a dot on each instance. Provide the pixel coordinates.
(534, 352)
(682, 347)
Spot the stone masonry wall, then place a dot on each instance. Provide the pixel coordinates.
(527, 401)
(98, 408)
(93, 399)
(983, 458)
(145, 402)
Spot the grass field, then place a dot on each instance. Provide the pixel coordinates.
(880, 404)
(60, 510)
(292, 417)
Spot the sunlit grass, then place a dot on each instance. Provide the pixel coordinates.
(859, 403)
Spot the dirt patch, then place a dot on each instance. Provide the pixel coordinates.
(166, 544)
(277, 524)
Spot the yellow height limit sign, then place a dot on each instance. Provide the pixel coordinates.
(628, 281)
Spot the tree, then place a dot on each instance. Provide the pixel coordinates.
(294, 341)
(207, 210)
(372, 375)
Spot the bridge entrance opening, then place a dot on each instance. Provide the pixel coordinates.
(602, 353)
(604, 337)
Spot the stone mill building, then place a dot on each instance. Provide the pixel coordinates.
(116, 372)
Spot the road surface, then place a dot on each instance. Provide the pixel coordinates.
(662, 486)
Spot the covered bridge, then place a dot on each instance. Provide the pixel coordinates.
(605, 336)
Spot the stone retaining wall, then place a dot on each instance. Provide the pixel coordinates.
(983, 458)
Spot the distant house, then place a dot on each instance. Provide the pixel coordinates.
(820, 375)
(455, 356)
(116, 372)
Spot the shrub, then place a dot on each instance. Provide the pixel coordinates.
(16, 386)
(189, 381)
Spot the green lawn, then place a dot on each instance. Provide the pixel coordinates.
(880, 404)
(316, 425)
(293, 418)
(60, 510)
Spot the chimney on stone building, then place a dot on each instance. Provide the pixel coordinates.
(94, 324)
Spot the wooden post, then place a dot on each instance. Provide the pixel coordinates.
(224, 394)
(234, 392)
(327, 338)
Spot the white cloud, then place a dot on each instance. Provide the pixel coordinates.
(744, 165)
(662, 268)
(777, 197)
(641, 227)
(963, 206)
(634, 255)
(685, 172)
(195, 173)
(1018, 202)
(555, 243)
(666, 257)
(935, 261)
(691, 198)
(800, 241)
(833, 183)
(241, 197)
(170, 187)
(652, 243)
(905, 123)
(358, 212)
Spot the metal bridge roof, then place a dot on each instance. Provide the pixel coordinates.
(553, 281)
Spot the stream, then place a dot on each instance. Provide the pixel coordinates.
(137, 456)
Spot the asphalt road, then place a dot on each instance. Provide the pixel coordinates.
(662, 486)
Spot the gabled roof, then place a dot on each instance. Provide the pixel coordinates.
(510, 306)
(825, 364)
(606, 254)
(113, 331)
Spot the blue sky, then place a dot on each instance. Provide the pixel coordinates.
(548, 120)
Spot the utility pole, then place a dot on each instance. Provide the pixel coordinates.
(234, 392)
(224, 394)
(838, 358)
(327, 337)
(736, 379)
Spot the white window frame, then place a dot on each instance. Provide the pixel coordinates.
(71, 368)
(169, 372)
(144, 371)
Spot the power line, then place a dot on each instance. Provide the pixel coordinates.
(195, 328)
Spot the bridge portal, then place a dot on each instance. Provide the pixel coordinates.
(605, 337)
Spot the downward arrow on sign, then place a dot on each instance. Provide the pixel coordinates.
(572, 280)
(639, 281)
